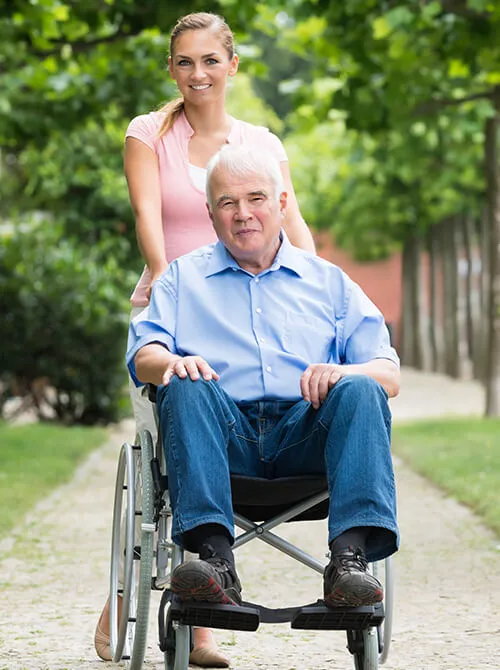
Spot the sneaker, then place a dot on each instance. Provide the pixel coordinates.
(210, 578)
(348, 583)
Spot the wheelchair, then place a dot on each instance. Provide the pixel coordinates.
(143, 556)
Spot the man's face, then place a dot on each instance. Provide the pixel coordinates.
(247, 217)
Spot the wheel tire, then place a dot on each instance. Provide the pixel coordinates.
(140, 634)
(178, 640)
(365, 645)
(129, 635)
(385, 571)
(122, 520)
(370, 649)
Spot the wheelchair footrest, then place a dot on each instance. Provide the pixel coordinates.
(320, 617)
(209, 615)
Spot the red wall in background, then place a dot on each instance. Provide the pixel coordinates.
(380, 280)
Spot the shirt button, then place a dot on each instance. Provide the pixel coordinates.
(257, 280)
(258, 310)
(269, 368)
(262, 339)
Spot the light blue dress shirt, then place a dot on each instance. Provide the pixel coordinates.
(260, 332)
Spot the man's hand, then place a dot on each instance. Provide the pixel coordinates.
(194, 366)
(317, 380)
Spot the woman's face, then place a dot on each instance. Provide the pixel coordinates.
(200, 65)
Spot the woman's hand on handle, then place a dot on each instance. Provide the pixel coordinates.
(155, 274)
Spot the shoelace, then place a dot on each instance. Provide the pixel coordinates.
(352, 558)
(224, 567)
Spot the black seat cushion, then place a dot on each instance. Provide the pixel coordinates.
(261, 499)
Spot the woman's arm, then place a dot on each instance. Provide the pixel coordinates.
(295, 226)
(143, 179)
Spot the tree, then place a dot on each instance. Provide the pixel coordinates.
(72, 75)
(393, 67)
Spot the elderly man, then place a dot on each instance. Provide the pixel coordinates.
(270, 362)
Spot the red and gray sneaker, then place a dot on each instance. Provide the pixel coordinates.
(347, 582)
(208, 579)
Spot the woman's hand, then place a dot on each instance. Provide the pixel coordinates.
(155, 274)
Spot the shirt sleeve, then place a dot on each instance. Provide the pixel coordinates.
(274, 145)
(364, 335)
(157, 323)
(144, 128)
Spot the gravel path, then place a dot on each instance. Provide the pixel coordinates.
(53, 573)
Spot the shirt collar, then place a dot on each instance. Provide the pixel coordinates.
(288, 257)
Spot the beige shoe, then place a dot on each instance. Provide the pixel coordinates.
(102, 637)
(208, 657)
(205, 657)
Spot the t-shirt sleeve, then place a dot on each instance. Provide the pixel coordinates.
(144, 128)
(274, 145)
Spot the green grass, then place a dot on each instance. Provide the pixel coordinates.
(462, 456)
(36, 458)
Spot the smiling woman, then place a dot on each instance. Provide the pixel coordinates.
(166, 154)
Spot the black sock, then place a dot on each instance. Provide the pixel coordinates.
(354, 538)
(199, 539)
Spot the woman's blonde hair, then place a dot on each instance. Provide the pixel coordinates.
(195, 21)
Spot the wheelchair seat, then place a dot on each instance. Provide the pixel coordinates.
(260, 499)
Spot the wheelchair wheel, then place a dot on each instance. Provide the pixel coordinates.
(370, 647)
(178, 644)
(386, 575)
(176, 641)
(366, 641)
(132, 552)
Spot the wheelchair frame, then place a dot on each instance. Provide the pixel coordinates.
(134, 554)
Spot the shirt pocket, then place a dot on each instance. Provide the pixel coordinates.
(308, 337)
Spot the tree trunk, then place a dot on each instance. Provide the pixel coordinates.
(475, 317)
(435, 288)
(468, 238)
(493, 305)
(412, 351)
(450, 298)
(464, 287)
(483, 234)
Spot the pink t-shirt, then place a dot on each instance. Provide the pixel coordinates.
(186, 224)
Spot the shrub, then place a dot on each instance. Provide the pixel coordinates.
(64, 323)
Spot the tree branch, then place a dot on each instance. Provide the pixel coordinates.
(432, 106)
(459, 7)
(84, 46)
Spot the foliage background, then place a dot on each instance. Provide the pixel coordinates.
(382, 107)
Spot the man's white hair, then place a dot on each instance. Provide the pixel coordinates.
(241, 161)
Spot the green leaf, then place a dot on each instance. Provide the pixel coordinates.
(381, 28)
(458, 69)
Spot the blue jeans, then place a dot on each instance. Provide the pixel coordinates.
(206, 436)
